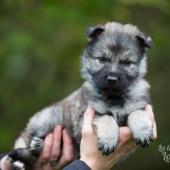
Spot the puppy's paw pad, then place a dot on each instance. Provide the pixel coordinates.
(36, 145)
(18, 165)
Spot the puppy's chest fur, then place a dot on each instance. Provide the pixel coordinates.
(119, 112)
(137, 100)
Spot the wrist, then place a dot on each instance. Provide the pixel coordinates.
(90, 163)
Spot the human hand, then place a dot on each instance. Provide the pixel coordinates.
(57, 152)
(53, 156)
(89, 150)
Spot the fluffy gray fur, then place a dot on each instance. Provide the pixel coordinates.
(113, 66)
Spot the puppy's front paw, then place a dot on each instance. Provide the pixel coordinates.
(142, 128)
(107, 144)
(107, 132)
(143, 135)
(36, 145)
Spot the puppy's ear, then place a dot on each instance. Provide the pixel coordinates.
(144, 41)
(94, 32)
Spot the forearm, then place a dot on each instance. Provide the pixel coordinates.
(77, 165)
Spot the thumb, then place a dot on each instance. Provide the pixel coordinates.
(88, 118)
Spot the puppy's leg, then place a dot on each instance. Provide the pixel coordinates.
(30, 143)
(107, 132)
(21, 156)
(142, 127)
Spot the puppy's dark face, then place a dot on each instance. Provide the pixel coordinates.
(115, 57)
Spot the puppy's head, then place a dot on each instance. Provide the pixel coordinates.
(115, 56)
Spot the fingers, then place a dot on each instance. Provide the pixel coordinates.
(52, 156)
(125, 135)
(67, 150)
(87, 123)
(42, 161)
(46, 152)
(149, 110)
(56, 144)
(67, 146)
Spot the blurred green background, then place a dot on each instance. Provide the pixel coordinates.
(41, 42)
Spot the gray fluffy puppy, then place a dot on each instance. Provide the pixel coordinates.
(113, 66)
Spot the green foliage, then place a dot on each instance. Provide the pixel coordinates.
(40, 47)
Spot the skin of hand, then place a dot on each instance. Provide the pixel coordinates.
(58, 148)
(89, 151)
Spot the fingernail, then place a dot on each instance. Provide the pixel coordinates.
(59, 127)
(89, 107)
(149, 108)
(89, 110)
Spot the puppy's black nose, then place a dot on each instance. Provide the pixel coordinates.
(112, 79)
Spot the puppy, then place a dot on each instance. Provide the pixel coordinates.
(113, 67)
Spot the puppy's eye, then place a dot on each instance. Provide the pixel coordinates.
(126, 62)
(102, 59)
